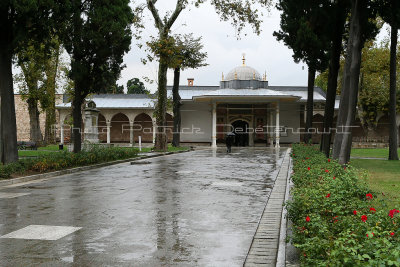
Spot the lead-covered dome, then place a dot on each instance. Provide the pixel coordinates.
(243, 73)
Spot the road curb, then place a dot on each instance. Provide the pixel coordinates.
(79, 169)
(281, 257)
(266, 240)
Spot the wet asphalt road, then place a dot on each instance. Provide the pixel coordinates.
(192, 209)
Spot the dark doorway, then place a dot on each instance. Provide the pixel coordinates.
(240, 128)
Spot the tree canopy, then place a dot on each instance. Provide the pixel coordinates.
(97, 35)
(20, 22)
(135, 86)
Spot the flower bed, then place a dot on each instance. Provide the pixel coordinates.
(336, 219)
(64, 160)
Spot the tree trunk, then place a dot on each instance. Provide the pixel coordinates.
(310, 104)
(393, 140)
(34, 121)
(177, 109)
(8, 134)
(77, 119)
(349, 93)
(50, 133)
(161, 137)
(334, 66)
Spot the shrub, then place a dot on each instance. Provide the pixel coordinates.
(61, 160)
(335, 219)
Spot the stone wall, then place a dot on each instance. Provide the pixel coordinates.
(22, 117)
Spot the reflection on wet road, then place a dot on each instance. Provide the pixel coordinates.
(193, 209)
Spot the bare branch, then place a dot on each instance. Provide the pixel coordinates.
(157, 20)
(180, 5)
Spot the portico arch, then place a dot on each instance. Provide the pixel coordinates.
(143, 126)
(119, 128)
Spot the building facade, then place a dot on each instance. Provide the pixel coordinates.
(243, 103)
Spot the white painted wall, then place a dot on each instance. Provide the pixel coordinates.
(196, 122)
(290, 118)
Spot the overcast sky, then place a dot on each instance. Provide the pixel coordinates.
(263, 52)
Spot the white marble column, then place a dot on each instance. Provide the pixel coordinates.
(154, 131)
(270, 128)
(251, 131)
(277, 126)
(62, 134)
(132, 141)
(108, 132)
(214, 125)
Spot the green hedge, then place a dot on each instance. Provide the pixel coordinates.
(336, 219)
(64, 159)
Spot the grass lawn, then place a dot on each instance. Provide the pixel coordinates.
(54, 149)
(371, 152)
(51, 148)
(384, 177)
(44, 150)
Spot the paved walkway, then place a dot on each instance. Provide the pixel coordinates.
(199, 208)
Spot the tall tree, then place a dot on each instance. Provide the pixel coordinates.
(188, 54)
(20, 21)
(390, 12)
(373, 96)
(97, 35)
(53, 64)
(303, 30)
(360, 26)
(31, 61)
(238, 12)
(336, 22)
(136, 86)
(39, 64)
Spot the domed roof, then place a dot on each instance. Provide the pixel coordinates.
(243, 73)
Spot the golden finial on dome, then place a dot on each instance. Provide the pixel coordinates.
(244, 59)
(265, 76)
(223, 76)
(254, 75)
(235, 75)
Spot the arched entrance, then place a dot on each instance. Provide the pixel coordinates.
(240, 128)
(120, 128)
(143, 127)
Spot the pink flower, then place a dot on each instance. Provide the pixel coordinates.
(392, 234)
(334, 177)
(329, 160)
(328, 195)
(308, 168)
(308, 219)
(354, 212)
(326, 170)
(364, 218)
(369, 196)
